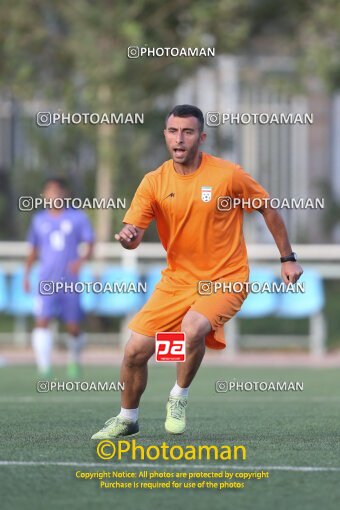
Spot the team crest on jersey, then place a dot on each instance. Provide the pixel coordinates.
(206, 193)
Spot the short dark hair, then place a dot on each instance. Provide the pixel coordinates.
(187, 110)
(60, 181)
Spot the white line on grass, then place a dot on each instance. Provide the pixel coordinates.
(95, 398)
(169, 466)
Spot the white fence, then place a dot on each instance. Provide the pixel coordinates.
(323, 258)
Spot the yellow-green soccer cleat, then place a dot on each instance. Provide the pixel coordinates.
(175, 415)
(117, 427)
(73, 370)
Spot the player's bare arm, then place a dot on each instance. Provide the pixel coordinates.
(31, 258)
(130, 236)
(75, 265)
(290, 271)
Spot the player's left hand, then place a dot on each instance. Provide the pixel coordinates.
(75, 266)
(291, 272)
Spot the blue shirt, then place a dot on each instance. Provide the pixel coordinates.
(57, 237)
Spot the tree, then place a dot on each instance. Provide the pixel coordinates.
(77, 52)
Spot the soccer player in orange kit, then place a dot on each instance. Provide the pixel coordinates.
(202, 243)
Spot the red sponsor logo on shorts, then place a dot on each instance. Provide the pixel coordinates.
(170, 346)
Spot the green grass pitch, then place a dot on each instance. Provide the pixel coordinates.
(286, 429)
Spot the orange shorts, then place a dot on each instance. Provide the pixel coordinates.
(166, 308)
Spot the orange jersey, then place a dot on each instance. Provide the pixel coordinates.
(201, 241)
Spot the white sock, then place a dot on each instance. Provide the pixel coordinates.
(177, 391)
(75, 345)
(42, 343)
(129, 414)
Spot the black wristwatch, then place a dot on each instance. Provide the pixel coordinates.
(289, 258)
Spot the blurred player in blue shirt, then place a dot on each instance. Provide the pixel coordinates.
(54, 236)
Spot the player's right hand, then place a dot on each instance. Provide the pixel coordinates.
(127, 234)
(26, 284)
